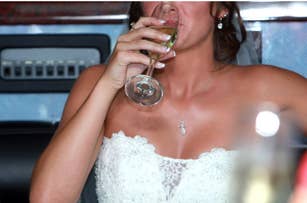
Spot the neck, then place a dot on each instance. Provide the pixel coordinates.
(189, 72)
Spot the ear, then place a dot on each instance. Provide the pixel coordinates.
(222, 13)
(219, 10)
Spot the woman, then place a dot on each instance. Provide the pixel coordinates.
(201, 88)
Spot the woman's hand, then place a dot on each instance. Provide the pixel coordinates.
(127, 60)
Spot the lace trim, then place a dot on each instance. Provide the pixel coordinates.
(128, 168)
(144, 141)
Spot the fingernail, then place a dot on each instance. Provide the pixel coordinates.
(166, 49)
(167, 37)
(160, 65)
(174, 53)
(162, 21)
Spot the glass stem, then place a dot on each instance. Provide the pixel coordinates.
(151, 67)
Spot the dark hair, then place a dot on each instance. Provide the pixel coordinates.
(226, 41)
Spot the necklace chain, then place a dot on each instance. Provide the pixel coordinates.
(181, 124)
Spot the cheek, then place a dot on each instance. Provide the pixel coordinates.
(148, 7)
(195, 28)
(202, 18)
(198, 18)
(198, 23)
(205, 25)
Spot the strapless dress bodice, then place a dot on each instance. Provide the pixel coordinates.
(128, 169)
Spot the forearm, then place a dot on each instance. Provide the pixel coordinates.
(64, 166)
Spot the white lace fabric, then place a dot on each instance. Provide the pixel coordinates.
(129, 170)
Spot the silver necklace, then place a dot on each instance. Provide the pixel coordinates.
(180, 124)
(182, 128)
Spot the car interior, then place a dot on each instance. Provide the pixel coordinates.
(45, 46)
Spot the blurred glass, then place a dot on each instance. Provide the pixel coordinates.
(266, 163)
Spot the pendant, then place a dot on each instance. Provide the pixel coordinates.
(182, 128)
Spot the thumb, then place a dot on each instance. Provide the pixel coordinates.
(169, 55)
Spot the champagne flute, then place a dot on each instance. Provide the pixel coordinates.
(143, 89)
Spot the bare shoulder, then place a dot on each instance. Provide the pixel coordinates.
(81, 90)
(88, 78)
(285, 88)
(275, 72)
(86, 81)
(272, 78)
(270, 83)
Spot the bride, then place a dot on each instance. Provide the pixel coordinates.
(141, 153)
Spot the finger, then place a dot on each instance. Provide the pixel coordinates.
(132, 62)
(137, 68)
(143, 45)
(134, 69)
(171, 54)
(124, 58)
(145, 32)
(137, 58)
(147, 21)
(128, 58)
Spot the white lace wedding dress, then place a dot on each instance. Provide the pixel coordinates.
(129, 170)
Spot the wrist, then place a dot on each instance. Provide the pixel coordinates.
(113, 85)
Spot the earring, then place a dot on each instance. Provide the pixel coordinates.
(220, 23)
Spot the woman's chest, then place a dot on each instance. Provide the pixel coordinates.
(178, 132)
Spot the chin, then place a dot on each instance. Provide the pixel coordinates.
(181, 44)
(179, 41)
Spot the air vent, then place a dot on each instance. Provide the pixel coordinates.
(44, 63)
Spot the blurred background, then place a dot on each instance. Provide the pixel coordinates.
(44, 46)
